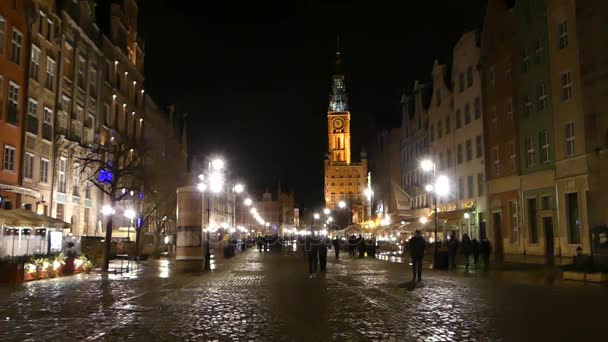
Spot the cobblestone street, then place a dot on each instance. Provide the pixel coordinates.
(269, 297)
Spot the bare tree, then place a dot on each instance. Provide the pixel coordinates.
(116, 169)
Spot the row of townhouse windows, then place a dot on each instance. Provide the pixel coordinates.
(469, 193)
(459, 121)
(77, 174)
(50, 67)
(16, 43)
(531, 149)
(469, 79)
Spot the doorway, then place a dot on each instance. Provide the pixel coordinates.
(497, 229)
(549, 241)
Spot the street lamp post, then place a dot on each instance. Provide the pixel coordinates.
(214, 182)
(440, 188)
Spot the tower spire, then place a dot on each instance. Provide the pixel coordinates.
(338, 101)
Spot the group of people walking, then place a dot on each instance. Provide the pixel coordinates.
(316, 247)
(467, 246)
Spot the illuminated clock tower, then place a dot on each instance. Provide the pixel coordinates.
(344, 179)
(338, 118)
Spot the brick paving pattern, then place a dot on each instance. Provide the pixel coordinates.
(269, 297)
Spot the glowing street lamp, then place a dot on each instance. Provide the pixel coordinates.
(201, 187)
(423, 220)
(330, 219)
(216, 181)
(428, 187)
(342, 204)
(239, 188)
(130, 214)
(217, 164)
(247, 202)
(316, 216)
(427, 165)
(107, 210)
(442, 186)
(253, 211)
(326, 211)
(368, 193)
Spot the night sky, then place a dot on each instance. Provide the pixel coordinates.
(255, 79)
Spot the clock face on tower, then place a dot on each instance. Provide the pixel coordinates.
(338, 123)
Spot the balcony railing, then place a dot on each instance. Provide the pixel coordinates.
(31, 124)
(13, 114)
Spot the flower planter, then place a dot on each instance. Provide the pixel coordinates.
(12, 273)
(573, 275)
(597, 277)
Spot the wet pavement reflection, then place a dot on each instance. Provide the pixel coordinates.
(268, 297)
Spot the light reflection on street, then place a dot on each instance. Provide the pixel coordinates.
(391, 256)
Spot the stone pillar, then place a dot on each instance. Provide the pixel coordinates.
(189, 252)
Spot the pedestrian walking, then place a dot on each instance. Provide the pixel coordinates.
(336, 244)
(416, 247)
(486, 249)
(476, 248)
(362, 246)
(312, 248)
(352, 244)
(452, 250)
(466, 247)
(324, 243)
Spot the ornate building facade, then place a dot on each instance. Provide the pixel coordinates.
(344, 180)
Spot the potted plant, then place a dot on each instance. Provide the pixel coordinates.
(12, 269)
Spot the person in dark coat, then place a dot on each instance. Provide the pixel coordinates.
(312, 248)
(362, 246)
(336, 244)
(452, 249)
(486, 249)
(416, 247)
(260, 243)
(466, 247)
(352, 244)
(324, 243)
(476, 248)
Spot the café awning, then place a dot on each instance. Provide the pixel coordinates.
(27, 218)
